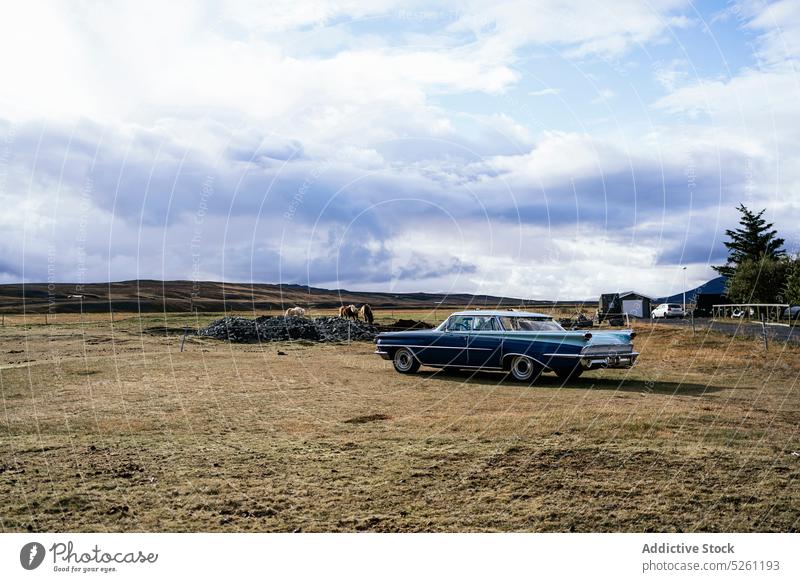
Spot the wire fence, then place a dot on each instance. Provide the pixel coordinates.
(752, 311)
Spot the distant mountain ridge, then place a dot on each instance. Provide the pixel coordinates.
(181, 296)
(715, 286)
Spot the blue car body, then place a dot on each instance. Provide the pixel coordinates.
(496, 340)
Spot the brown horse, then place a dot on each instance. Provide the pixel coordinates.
(366, 313)
(348, 312)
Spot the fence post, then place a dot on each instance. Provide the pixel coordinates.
(764, 333)
(183, 339)
(692, 317)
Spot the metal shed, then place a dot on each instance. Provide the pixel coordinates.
(636, 304)
(633, 303)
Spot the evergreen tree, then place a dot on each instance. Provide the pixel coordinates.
(755, 240)
(758, 281)
(792, 291)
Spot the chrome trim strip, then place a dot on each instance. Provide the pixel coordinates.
(424, 347)
(594, 356)
(435, 347)
(470, 367)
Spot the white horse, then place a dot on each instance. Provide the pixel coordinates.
(295, 312)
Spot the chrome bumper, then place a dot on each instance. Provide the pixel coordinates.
(611, 361)
(595, 361)
(381, 353)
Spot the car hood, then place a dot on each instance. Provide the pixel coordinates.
(409, 333)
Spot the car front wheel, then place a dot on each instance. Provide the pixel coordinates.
(405, 362)
(524, 369)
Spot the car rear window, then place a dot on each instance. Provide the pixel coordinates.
(529, 324)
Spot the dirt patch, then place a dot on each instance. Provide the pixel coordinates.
(367, 418)
(166, 331)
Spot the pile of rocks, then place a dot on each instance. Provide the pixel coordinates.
(336, 329)
(277, 329)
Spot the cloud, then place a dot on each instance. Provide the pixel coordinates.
(335, 222)
(753, 111)
(386, 145)
(579, 28)
(9, 272)
(543, 92)
(604, 95)
(778, 25)
(671, 74)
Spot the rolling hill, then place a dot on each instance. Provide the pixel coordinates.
(209, 296)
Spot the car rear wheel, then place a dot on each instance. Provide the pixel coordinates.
(524, 369)
(405, 362)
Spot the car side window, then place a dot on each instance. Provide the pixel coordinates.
(459, 323)
(508, 323)
(486, 323)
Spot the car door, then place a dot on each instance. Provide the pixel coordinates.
(485, 342)
(450, 348)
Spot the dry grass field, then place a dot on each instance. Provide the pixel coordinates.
(109, 427)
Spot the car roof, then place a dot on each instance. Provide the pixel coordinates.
(502, 313)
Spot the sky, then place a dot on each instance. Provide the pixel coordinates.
(543, 149)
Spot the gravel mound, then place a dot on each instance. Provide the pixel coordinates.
(281, 329)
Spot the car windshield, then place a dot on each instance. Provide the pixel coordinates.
(458, 323)
(530, 324)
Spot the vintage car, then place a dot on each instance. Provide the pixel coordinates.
(522, 343)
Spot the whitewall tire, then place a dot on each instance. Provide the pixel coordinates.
(524, 369)
(405, 362)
